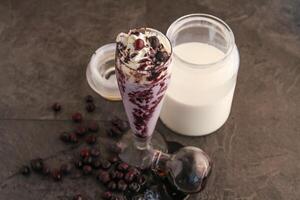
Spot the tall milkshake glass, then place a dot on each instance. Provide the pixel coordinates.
(143, 59)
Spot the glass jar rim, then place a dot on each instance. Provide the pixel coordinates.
(182, 20)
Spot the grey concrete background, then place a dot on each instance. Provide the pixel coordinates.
(46, 45)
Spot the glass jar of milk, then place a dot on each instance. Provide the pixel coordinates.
(204, 72)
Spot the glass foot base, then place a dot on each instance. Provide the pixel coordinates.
(137, 152)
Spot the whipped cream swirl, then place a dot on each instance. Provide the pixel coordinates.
(141, 50)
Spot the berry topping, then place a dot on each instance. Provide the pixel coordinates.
(154, 42)
(162, 56)
(139, 44)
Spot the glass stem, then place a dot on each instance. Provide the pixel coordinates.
(160, 160)
(142, 143)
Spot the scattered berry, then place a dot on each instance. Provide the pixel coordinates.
(25, 170)
(37, 164)
(87, 160)
(103, 177)
(119, 175)
(85, 152)
(122, 186)
(95, 152)
(114, 132)
(77, 117)
(142, 180)
(78, 197)
(120, 124)
(93, 126)
(139, 44)
(96, 164)
(123, 167)
(87, 169)
(107, 195)
(113, 174)
(129, 176)
(112, 185)
(66, 169)
(135, 187)
(114, 148)
(113, 159)
(105, 164)
(46, 170)
(80, 131)
(90, 107)
(89, 99)
(91, 139)
(78, 164)
(56, 107)
(64, 136)
(73, 138)
(56, 174)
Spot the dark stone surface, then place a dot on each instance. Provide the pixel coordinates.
(46, 45)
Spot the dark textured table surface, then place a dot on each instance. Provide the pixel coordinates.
(46, 45)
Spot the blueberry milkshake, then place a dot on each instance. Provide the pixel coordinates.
(143, 59)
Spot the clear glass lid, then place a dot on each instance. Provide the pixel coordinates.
(101, 75)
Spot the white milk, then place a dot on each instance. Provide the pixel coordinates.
(199, 97)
